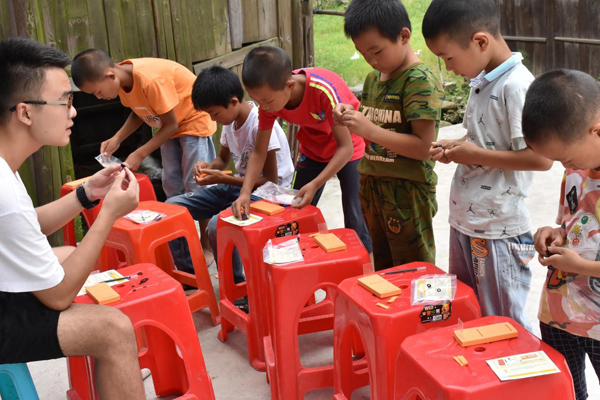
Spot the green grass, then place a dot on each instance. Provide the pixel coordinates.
(333, 50)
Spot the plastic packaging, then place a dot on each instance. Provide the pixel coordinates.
(282, 253)
(433, 288)
(277, 194)
(107, 161)
(144, 216)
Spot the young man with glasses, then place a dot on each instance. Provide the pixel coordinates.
(38, 283)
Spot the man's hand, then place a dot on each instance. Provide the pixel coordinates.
(211, 176)
(134, 160)
(563, 259)
(100, 183)
(108, 147)
(305, 195)
(546, 237)
(241, 206)
(123, 196)
(198, 167)
(338, 112)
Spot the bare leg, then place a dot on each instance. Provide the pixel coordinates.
(63, 252)
(209, 257)
(105, 333)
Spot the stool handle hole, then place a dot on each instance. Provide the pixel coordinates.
(479, 349)
(403, 286)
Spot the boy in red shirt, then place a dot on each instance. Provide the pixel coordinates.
(305, 97)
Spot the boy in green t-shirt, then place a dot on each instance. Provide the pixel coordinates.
(398, 118)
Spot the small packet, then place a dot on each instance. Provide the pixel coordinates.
(144, 216)
(107, 161)
(283, 253)
(277, 194)
(433, 288)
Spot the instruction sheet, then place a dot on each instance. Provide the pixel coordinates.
(522, 366)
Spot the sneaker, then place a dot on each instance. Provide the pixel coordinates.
(242, 304)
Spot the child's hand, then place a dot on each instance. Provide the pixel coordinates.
(108, 147)
(546, 237)
(209, 177)
(134, 160)
(241, 206)
(563, 259)
(460, 152)
(436, 151)
(198, 167)
(338, 111)
(305, 195)
(356, 122)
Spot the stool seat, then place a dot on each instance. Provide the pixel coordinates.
(381, 331)
(426, 368)
(249, 241)
(290, 287)
(149, 243)
(171, 350)
(16, 383)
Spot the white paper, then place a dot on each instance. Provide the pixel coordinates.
(522, 366)
(283, 253)
(100, 277)
(252, 219)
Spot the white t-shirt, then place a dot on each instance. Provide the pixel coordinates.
(241, 143)
(27, 262)
(487, 202)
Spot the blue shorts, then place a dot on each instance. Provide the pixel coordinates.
(497, 270)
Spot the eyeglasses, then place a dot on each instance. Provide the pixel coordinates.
(68, 103)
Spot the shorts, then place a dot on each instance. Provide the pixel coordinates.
(28, 329)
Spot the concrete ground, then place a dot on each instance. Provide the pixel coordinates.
(234, 379)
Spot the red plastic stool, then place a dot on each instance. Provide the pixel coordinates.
(172, 351)
(146, 194)
(382, 331)
(249, 241)
(149, 243)
(426, 368)
(289, 288)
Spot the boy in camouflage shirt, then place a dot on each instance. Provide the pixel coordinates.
(398, 118)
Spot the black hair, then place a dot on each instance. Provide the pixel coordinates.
(89, 66)
(216, 86)
(460, 19)
(560, 104)
(387, 16)
(266, 65)
(23, 65)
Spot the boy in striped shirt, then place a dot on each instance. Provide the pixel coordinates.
(305, 97)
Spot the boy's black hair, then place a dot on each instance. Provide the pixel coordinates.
(266, 65)
(560, 104)
(23, 64)
(460, 19)
(89, 66)
(216, 86)
(389, 17)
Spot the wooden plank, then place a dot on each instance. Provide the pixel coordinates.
(146, 32)
(236, 27)
(250, 16)
(220, 23)
(284, 22)
(330, 242)
(97, 25)
(28, 177)
(181, 32)
(234, 58)
(297, 35)
(309, 42)
(102, 293)
(379, 286)
(163, 26)
(485, 334)
(266, 208)
(267, 19)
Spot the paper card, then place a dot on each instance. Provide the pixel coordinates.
(144, 216)
(94, 279)
(522, 366)
(252, 219)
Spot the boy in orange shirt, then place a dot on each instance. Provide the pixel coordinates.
(158, 91)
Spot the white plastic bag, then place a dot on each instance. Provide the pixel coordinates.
(277, 194)
(282, 253)
(107, 161)
(433, 288)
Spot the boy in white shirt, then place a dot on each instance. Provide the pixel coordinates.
(490, 237)
(218, 91)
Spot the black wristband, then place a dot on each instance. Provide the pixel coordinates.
(83, 199)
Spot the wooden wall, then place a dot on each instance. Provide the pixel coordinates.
(554, 33)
